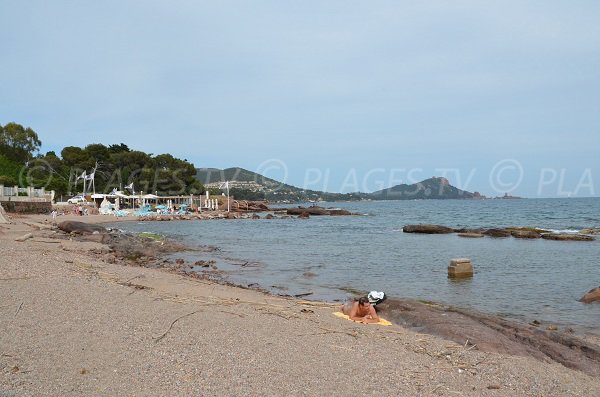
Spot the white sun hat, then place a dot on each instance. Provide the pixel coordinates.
(375, 296)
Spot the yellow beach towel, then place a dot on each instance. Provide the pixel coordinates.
(381, 320)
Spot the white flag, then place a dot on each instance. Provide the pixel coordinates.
(226, 184)
(82, 176)
(130, 186)
(90, 176)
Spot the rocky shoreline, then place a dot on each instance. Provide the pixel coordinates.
(485, 332)
(494, 334)
(116, 286)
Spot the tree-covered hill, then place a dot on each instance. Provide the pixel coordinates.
(432, 188)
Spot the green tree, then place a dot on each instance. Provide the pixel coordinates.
(118, 148)
(49, 172)
(174, 176)
(74, 156)
(9, 172)
(18, 143)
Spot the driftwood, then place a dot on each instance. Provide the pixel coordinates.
(19, 309)
(158, 338)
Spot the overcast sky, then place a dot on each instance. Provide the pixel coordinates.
(329, 95)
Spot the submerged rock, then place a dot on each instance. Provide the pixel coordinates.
(427, 229)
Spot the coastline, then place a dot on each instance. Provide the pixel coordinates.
(75, 324)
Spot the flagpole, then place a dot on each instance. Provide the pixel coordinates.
(227, 186)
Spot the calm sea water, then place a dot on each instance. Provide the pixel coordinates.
(519, 279)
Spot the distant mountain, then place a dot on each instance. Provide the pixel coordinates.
(212, 176)
(432, 188)
(244, 184)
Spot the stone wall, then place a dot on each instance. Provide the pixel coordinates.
(27, 207)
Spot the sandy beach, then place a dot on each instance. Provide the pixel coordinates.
(72, 324)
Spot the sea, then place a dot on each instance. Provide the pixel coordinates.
(334, 257)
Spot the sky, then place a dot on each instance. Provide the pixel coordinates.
(497, 96)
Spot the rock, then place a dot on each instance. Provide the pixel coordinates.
(255, 216)
(525, 234)
(339, 212)
(309, 210)
(179, 261)
(269, 216)
(470, 235)
(80, 227)
(497, 233)
(232, 215)
(593, 295)
(427, 229)
(24, 237)
(202, 263)
(37, 225)
(466, 230)
(567, 237)
(589, 231)
(552, 327)
(304, 215)
(460, 268)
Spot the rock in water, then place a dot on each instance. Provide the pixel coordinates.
(81, 227)
(460, 268)
(497, 233)
(427, 229)
(567, 237)
(592, 296)
(525, 234)
(470, 235)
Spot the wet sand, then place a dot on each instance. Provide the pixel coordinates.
(73, 324)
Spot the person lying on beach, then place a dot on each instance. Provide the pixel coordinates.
(360, 310)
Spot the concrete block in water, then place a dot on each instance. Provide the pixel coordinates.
(460, 267)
